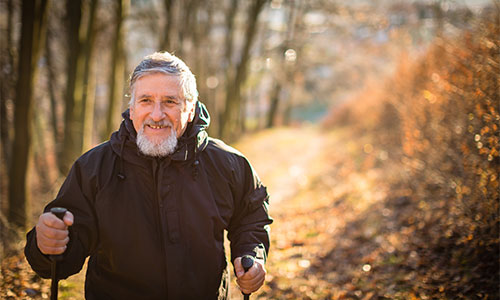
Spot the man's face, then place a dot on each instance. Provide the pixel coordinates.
(159, 107)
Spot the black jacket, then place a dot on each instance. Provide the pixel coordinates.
(154, 227)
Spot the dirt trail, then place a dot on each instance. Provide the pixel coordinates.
(285, 158)
(326, 199)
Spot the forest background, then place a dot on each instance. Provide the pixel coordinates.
(374, 123)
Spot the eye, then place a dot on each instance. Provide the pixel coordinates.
(144, 100)
(170, 101)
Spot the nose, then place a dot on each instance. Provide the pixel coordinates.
(157, 113)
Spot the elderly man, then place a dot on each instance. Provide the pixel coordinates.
(150, 205)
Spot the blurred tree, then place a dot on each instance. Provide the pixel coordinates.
(71, 144)
(275, 96)
(168, 6)
(6, 84)
(33, 17)
(202, 21)
(79, 109)
(186, 25)
(229, 119)
(287, 62)
(88, 97)
(228, 54)
(117, 75)
(51, 76)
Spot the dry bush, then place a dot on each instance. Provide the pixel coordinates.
(440, 117)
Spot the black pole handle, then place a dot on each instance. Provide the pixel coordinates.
(247, 262)
(58, 212)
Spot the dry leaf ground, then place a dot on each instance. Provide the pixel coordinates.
(341, 231)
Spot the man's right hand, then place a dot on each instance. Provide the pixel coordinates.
(52, 233)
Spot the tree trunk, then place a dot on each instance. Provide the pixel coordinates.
(165, 42)
(271, 117)
(6, 88)
(72, 134)
(40, 152)
(233, 96)
(117, 77)
(32, 36)
(228, 65)
(54, 101)
(88, 97)
(285, 82)
(202, 67)
(79, 93)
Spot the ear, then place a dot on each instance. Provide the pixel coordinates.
(192, 110)
(131, 111)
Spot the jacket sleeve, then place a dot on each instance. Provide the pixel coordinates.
(248, 230)
(76, 195)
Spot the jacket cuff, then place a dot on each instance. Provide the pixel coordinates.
(39, 262)
(257, 251)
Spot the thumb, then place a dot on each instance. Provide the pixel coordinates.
(238, 268)
(68, 218)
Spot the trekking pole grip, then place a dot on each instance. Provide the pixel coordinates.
(247, 262)
(58, 212)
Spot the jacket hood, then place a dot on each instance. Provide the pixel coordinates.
(193, 141)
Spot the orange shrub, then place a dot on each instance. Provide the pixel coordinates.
(440, 117)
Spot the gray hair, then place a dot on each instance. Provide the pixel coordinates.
(168, 64)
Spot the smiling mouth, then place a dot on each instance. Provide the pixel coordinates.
(156, 126)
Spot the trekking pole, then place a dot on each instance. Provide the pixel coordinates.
(58, 212)
(247, 263)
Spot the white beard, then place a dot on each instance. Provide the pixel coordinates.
(157, 149)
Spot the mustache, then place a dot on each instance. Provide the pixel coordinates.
(163, 123)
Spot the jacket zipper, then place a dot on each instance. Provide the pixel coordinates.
(159, 209)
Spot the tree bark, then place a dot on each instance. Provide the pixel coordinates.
(233, 95)
(55, 101)
(202, 67)
(117, 77)
(285, 79)
(271, 117)
(79, 93)
(40, 152)
(228, 63)
(6, 88)
(72, 133)
(165, 42)
(88, 97)
(32, 36)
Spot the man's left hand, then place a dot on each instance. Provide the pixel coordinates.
(253, 279)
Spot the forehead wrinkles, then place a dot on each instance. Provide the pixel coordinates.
(179, 91)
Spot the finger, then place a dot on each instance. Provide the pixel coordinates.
(47, 242)
(253, 279)
(256, 270)
(250, 288)
(50, 220)
(68, 218)
(238, 268)
(52, 250)
(52, 233)
(252, 282)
